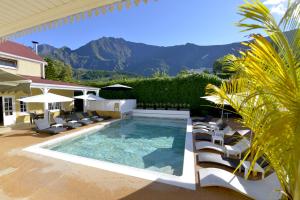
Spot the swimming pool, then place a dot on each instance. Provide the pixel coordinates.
(150, 148)
(147, 143)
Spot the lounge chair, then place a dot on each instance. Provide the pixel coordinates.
(226, 130)
(43, 126)
(235, 150)
(92, 118)
(265, 189)
(94, 113)
(208, 157)
(228, 139)
(69, 124)
(83, 121)
(208, 124)
(206, 118)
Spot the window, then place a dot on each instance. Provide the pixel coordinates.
(55, 106)
(8, 62)
(8, 106)
(23, 106)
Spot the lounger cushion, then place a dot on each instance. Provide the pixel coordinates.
(85, 122)
(52, 130)
(72, 125)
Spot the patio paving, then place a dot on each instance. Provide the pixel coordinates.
(24, 175)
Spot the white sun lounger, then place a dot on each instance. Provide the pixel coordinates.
(226, 131)
(265, 189)
(235, 150)
(208, 124)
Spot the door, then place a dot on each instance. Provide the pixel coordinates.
(9, 110)
(1, 112)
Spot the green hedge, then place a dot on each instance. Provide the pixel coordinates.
(184, 91)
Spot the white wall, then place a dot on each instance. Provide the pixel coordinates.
(126, 105)
(177, 114)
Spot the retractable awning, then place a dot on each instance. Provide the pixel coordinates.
(18, 18)
(13, 83)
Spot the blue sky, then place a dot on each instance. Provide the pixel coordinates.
(164, 23)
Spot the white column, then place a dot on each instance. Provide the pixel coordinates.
(46, 111)
(85, 101)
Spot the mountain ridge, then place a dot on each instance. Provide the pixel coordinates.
(118, 54)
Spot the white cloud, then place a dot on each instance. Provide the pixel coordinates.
(274, 2)
(277, 7)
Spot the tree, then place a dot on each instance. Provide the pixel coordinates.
(57, 70)
(265, 90)
(220, 66)
(160, 74)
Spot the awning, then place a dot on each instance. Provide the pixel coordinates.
(13, 83)
(46, 98)
(18, 18)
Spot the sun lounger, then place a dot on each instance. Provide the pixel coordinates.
(209, 124)
(235, 150)
(69, 124)
(226, 131)
(80, 120)
(208, 157)
(43, 126)
(265, 189)
(206, 118)
(228, 140)
(92, 118)
(101, 116)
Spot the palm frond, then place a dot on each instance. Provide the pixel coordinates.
(266, 89)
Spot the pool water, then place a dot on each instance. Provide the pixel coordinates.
(148, 143)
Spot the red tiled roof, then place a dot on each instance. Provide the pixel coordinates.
(19, 50)
(35, 79)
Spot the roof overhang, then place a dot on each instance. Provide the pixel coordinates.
(20, 57)
(18, 18)
(13, 83)
(63, 87)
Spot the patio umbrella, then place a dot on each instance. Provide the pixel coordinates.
(90, 97)
(46, 98)
(217, 100)
(117, 87)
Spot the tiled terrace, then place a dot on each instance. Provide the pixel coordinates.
(28, 176)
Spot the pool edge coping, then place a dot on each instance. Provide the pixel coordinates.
(186, 180)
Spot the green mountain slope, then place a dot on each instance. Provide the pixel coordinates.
(116, 54)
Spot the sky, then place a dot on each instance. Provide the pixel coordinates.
(162, 22)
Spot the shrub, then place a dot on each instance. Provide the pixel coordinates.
(166, 91)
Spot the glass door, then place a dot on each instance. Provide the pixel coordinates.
(9, 113)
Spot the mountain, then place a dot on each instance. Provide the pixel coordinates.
(117, 54)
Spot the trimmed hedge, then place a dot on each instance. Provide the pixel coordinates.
(182, 91)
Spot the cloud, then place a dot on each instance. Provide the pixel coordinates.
(277, 7)
(274, 2)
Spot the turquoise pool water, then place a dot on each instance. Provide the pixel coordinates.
(147, 143)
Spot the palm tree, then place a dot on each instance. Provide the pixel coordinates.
(267, 84)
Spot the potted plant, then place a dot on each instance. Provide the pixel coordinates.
(184, 106)
(151, 106)
(188, 106)
(175, 106)
(168, 106)
(179, 106)
(165, 106)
